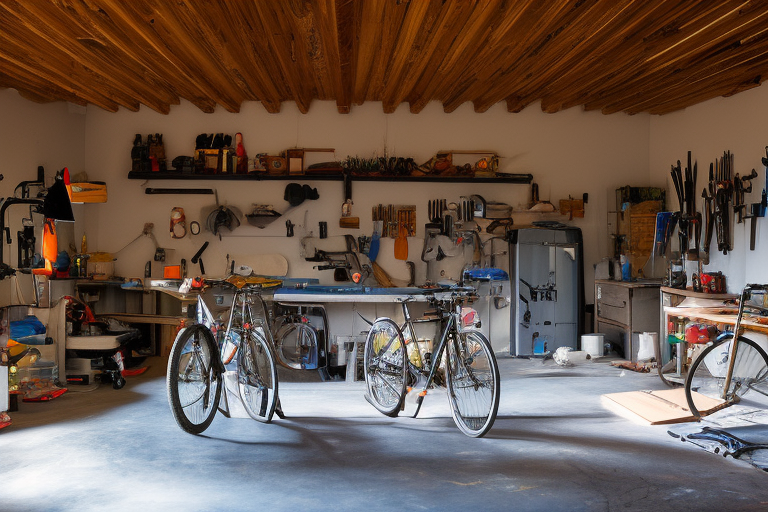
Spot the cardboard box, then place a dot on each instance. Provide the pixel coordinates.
(18, 290)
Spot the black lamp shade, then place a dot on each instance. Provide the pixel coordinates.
(56, 204)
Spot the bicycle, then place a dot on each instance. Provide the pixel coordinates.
(392, 363)
(726, 370)
(201, 353)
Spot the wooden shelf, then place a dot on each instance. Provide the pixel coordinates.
(522, 179)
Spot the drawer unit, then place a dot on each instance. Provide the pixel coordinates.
(624, 308)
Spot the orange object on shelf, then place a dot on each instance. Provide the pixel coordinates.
(172, 272)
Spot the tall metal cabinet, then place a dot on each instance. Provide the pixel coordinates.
(547, 285)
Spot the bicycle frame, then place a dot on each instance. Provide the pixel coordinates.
(449, 325)
(746, 294)
(242, 302)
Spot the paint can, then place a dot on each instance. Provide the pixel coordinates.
(592, 344)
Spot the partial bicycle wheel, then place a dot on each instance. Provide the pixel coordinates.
(706, 378)
(297, 346)
(384, 363)
(473, 383)
(257, 377)
(193, 382)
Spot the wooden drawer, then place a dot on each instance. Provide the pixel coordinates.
(618, 337)
(613, 303)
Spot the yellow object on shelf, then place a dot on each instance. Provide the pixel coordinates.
(89, 192)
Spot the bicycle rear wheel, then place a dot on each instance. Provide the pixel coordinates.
(707, 374)
(384, 363)
(297, 346)
(257, 377)
(193, 383)
(473, 383)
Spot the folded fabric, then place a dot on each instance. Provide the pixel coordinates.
(30, 326)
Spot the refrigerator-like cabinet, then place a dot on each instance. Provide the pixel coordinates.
(547, 285)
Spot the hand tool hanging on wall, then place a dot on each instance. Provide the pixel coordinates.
(688, 219)
(346, 220)
(723, 199)
(197, 258)
(741, 186)
(758, 210)
(709, 215)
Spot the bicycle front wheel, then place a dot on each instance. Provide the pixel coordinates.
(706, 378)
(193, 383)
(384, 363)
(473, 383)
(257, 377)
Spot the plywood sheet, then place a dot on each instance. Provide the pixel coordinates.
(664, 406)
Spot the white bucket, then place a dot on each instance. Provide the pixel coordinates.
(592, 344)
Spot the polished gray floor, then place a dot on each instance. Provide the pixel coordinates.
(555, 446)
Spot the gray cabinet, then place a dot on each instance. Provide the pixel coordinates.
(547, 282)
(624, 309)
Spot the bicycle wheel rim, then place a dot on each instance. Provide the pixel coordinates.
(297, 346)
(706, 378)
(473, 384)
(193, 384)
(257, 378)
(384, 364)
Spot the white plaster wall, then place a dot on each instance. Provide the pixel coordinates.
(33, 134)
(571, 152)
(739, 124)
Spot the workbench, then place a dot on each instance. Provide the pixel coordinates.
(719, 310)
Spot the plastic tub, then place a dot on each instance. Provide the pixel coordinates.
(592, 344)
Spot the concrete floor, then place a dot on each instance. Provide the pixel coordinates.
(554, 446)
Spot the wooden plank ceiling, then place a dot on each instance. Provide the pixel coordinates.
(631, 56)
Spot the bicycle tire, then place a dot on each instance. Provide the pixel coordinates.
(193, 381)
(384, 365)
(707, 374)
(296, 342)
(257, 377)
(473, 381)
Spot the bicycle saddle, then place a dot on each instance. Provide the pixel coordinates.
(260, 281)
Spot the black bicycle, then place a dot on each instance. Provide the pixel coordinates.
(462, 359)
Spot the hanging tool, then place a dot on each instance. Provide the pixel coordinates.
(197, 258)
(723, 199)
(346, 220)
(758, 210)
(401, 242)
(741, 186)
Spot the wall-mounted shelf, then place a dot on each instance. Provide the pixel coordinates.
(522, 179)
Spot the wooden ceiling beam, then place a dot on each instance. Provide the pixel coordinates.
(538, 23)
(281, 37)
(162, 43)
(383, 53)
(639, 73)
(59, 43)
(348, 14)
(488, 29)
(562, 49)
(716, 80)
(31, 86)
(611, 55)
(418, 22)
(229, 34)
(730, 53)
(27, 67)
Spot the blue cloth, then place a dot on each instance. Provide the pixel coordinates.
(27, 327)
(494, 274)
